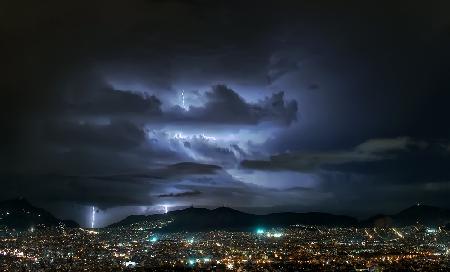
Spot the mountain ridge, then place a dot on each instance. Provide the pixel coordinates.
(20, 214)
(224, 218)
(416, 214)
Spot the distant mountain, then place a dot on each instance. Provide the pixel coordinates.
(20, 214)
(417, 214)
(131, 219)
(201, 219)
(379, 220)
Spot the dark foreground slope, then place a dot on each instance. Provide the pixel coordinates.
(20, 214)
(417, 214)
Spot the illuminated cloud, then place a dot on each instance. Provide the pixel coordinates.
(223, 105)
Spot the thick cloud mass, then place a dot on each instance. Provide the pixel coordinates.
(265, 106)
(225, 106)
(369, 151)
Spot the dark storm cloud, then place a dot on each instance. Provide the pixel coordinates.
(186, 168)
(71, 147)
(282, 63)
(362, 194)
(225, 106)
(181, 169)
(88, 96)
(94, 128)
(182, 194)
(80, 190)
(369, 151)
(145, 189)
(105, 191)
(400, 171)
(421, 166)
(115, 135)
(115, 102)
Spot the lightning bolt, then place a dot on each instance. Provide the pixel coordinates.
(93, 217)
(182, 99)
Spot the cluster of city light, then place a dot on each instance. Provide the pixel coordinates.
(142, 245)
(194, 261)
(130, 264)
(276, 234)
(431, 230)
(398, 233)
(260, 231)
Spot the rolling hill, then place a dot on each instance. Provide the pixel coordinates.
(20, 214)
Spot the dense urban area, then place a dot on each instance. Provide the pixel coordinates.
(143, 247)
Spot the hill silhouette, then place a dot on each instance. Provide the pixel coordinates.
(201, 219)
(223, 218)
(417, 214)
(20, 214)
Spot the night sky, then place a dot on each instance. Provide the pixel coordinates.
(263, 106)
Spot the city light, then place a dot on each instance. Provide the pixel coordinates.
(398, 233)
(431, 230)
(291, 248)
(276, 234)
(130, 264)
